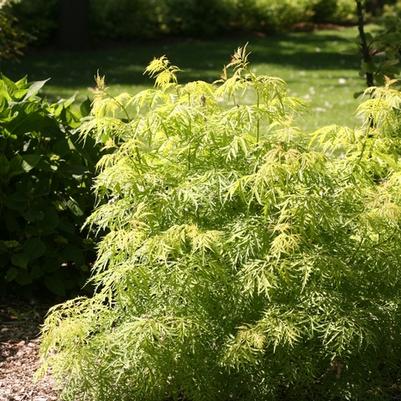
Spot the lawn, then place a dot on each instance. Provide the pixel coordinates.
(321, 67)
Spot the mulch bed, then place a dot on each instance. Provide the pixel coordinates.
(19, 359)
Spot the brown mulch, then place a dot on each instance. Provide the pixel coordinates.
(19, 359)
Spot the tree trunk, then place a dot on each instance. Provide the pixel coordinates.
(74, 24)
(365, 53)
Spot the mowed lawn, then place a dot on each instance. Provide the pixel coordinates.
(321, 67)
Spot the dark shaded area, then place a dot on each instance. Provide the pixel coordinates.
(21, 317)
(74, 24)
(199, 59)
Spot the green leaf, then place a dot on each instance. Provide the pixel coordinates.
(11, 222)
(11, 274)
(55, 284)
(50, 221)
(20, 260)
(23, 163)
(74, 207)
(4, 166)
(15, 166)
(10, 244)
(22, 83)
(34, 248)
(4, 92)
(17, 201)
(29, 162)
(24, 278)
(86, 107)
(34, 89)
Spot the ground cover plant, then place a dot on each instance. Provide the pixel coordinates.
(244, 258)
(321, 67)
(45, 195)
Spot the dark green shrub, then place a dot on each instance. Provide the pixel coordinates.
(128, 19)
(278, 15)
(136, 19)
(270, 15)
(192, 17)
(245, 259)
(335, 11)
(45, 196)
(37, 17)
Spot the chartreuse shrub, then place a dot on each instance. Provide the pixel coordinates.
(244, 259)
(45, 194)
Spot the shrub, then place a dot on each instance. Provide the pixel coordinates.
(37, 17)
(271, 15)
(337, 11)
(128, 19)
(136, 19)
(192, 17)
(245, 259)
(45, 195)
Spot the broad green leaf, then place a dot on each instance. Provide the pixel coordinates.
(4, 166)
(85, 107)
(34, 248)
(20, 260)
(11, 274)
(30, 161)
(34, 89)
(55, 284)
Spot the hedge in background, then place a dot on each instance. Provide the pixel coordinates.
(135, 19)
(37, 17)
(45, 195)
(13, 39)
(245, 259)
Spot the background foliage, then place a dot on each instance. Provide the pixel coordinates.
(384, 46)
(37, 17)
(134, 19)
(12, 38)
(45, 194)
(244, 259)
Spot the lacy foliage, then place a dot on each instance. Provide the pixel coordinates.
(243, 259)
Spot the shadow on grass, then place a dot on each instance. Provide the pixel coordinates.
(124, 64)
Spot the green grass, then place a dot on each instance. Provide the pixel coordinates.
(320, 67)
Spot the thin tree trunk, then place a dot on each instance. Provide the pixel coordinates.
(74, 24)
(366, 57)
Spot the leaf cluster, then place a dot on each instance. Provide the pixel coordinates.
(45, 194)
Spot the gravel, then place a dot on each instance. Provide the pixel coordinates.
(19, 355)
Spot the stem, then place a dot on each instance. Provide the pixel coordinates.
(123, 108)
(366, 57)
(258, 120)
